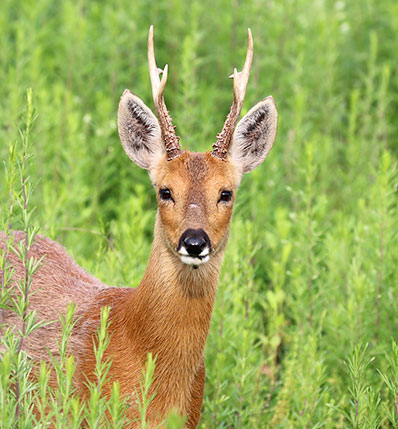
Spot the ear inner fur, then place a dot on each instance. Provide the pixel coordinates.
(139, 130)
(254, 135)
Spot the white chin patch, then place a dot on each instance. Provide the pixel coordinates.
(201, 259)
(190, 260)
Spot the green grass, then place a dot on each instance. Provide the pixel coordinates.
(305, 324)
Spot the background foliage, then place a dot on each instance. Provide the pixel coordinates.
(306, 318)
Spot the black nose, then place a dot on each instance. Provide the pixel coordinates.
(194, 245)
(195, 241)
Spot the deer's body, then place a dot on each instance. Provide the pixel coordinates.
(173, 327)
(169, 313)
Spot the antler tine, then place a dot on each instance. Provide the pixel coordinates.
(154, 72)
(220, 148)
(241, 78)
(171, 140)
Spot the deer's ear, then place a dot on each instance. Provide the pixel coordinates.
(254, 135)
(139, 131)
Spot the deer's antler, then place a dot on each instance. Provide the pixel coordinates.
(171, 140)
(220, 148)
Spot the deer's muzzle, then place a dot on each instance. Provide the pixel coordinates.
(194, 247)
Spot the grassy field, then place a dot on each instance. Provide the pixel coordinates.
(306, 319)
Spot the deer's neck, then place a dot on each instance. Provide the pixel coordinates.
(172, 306)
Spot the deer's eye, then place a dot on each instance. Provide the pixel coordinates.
(165, 194)
(225, 196)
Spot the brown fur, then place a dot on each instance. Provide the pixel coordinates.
(169, 312)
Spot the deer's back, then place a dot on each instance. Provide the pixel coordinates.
(58, 282)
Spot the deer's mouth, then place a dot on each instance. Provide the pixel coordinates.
(195, 260)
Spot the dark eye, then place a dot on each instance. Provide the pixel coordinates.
(225, 196)
(165, 194)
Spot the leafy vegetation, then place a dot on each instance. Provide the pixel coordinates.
(304, 332)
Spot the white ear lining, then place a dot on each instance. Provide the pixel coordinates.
(139, 131)
(254, 135)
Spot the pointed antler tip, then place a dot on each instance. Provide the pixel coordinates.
(150, 36)
(250, 37)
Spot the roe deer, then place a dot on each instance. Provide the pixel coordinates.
(169, 312)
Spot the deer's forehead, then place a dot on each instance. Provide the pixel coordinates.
(196, 170)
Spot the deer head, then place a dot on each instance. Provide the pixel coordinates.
(195, 191)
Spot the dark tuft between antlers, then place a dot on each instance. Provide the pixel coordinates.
(220, 148)
(171, 140)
